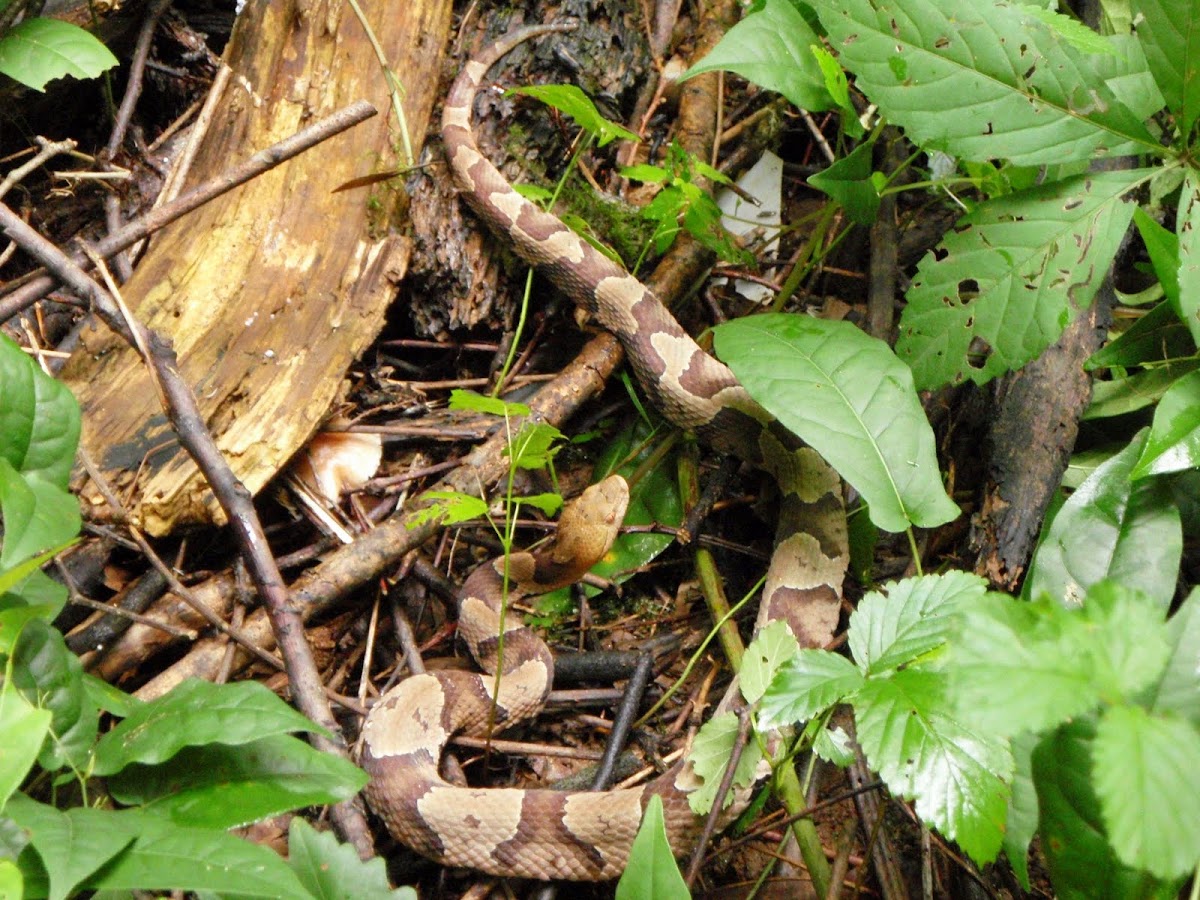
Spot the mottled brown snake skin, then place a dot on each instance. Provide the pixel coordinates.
(547, 834)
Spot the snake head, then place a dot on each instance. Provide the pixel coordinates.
(589, 524)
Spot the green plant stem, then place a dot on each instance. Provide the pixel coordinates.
(916, 551)
(395, 88)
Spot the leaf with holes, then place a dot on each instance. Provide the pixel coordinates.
(847, 396)
(1003, 285)
(982, 80)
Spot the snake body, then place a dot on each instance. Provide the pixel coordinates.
(583, 835)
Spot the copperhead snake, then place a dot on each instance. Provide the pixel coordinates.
(546, 834)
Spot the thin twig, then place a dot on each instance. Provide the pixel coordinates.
(37, 287)
(185, 416)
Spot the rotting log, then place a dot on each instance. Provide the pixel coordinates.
(271, 292)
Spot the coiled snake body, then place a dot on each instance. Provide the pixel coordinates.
(580, 835)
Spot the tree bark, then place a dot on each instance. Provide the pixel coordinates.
(272, 291)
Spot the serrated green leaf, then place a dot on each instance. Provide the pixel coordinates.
(771, 648)
(908, 619)
(835, 746)
(72, 844)
(546, 503)
(1081, 861)
(333, 871)
(1170, 36)
(219, 786)
(810, 682)
(645, 173)
(1145, 775)
(848, 181)
(1111, 528)
(449, 508)
(1178, 691)
(1012, 275)
(1128, 76)
(534, 193)
(196, 713)
(1187, 223)
(574, 103)
(847, 396)
(957, 777)
(1173, 444)
(1017, 666)
(652, 873)
(1073, 31)
(40, 50)
(770, 47)
(51, 676)
(24, 727)
(533, 446)
(711, 752)
(1020, 666)
(981, 80)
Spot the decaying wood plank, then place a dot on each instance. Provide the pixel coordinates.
(271, 292)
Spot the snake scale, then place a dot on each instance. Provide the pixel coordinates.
(548, 834)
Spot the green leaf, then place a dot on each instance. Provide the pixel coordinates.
(39, 418)
(908, 619)
(533, 446)
(982, 80)
(169, 857)
(37, 515)
(1022, 822)
(1073, 31)
(1111, 528)
(839, 89)
(546, 503)
(470, 401)
(449, 508)
(196, 713)
(645, 173)
(574, 103)
(219, 786)
(1178, 691)
(1020, 666)
(845, 394)
(849, 182)
(1163, 248)
(1186, 225)
(24, 727)
(1170, 36)
(51, 676)
(1003, 285)
(1156, 336)
(809, 683)
(39, 50)
(771, 48)
(1173, 444)
(1145, 773)
(333, 871)
(1119, 396)
(834, 745)
(771, 648)
(26, 583)
(72, 844)
(711, 752)
(956, 777)
(652, 873)
(1081, 861)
